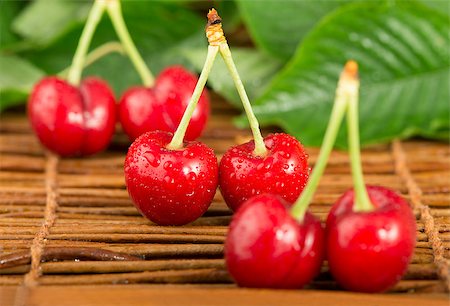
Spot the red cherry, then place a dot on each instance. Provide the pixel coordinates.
(71, 121)
(267, 247)
(283, 171)
(139, 112)
(174, 87)
(144, 109)
(370, 251)
(170, 187)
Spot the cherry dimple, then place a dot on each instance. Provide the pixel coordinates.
(72, 121)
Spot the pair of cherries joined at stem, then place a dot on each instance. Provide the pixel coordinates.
(370, 231)
(275, 164)
(173, 183)
(78, 118)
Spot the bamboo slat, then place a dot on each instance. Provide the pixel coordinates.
(97, 238)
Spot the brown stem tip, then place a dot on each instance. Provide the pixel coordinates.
(351, 70)
(214, 31)
(213, 17)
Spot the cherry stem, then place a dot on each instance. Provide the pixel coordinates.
(346, 83)
(114, 9)
(362, 201)
(97, 53)
(178, 137)
(216, 37)
(93, 19)
(260, 147)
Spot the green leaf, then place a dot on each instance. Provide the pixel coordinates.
(278, 26)
(229, 12)
(160, 31)
(8, 9)
(17, 78)
(402, 49)
(43, 21)
(442, 6)
(443, 135)
(255, 68)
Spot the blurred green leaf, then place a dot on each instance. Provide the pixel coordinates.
(17, 78)
(8, 10)
(43, 21)
(443, 6)
(441, 134)
(229, 12)
(402, 49)
(278, 26)
(255, 68)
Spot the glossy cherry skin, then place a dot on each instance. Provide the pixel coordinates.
(72, 121)
(370, 251)
(284, 171)
(170, 187)
(267, 248)
(174, 87)
(139, 112)
(144, 109)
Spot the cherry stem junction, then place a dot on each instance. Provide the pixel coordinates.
(177, 140)
(97, 53)
(114, 9)
(78, 60)
(260, 147)
(216, 37)
(346, 85)
(362, 200)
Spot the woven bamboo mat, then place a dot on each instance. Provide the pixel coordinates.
(77, 215)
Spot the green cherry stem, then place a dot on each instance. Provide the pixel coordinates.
(114, 9)
(346, 83)
(362, 201)
(93, 19)
(216, 37)
(97, 53)
(177, 140)
(260, 147)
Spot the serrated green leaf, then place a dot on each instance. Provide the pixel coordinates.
(255, 68)
(402, 49)
(278, 26)
(17, 78)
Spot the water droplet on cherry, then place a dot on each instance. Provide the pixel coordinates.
(168, 165)
(191, 176)
(152, 158)
(169, 180)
